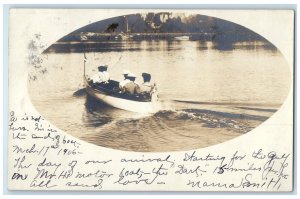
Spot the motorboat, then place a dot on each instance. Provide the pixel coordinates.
(110, 94)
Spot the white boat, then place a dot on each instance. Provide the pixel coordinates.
(109, 94)
(182, 38)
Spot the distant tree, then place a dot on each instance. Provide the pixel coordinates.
(156, 21)
(111, 28)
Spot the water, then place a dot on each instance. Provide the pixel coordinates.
(208, 95)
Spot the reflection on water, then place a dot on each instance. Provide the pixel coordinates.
(154, 45)
(208, 95)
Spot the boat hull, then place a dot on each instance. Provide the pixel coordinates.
(125, 104)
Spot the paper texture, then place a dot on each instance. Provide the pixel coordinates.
(225, 88)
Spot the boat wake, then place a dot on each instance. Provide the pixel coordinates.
(169, 117)
(213, 119)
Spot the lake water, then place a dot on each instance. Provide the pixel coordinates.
(208, 95)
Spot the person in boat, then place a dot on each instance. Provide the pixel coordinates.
(125, 81)
(131, 87)
(102, 76)
(147, 86)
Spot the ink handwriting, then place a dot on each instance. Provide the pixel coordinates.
(42, 157)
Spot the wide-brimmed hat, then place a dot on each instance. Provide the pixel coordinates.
(131, 75)
(102, 68)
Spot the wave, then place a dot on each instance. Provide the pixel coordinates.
(214, 119)
(112, 119)
(259, 109)
(238, 104)
(169, 120)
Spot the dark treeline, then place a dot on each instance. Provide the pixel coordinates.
(159, 23)
(155, 26)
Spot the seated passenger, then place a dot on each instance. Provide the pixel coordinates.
(147, 87)
(131, 87)
(102, 76)
(125, 81)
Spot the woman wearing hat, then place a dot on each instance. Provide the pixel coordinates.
(147, 87)
(131, 87)
(102, 76)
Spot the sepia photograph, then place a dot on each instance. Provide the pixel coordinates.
(194, 100)
(158, 81)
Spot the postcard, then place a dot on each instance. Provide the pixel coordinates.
(151, 100)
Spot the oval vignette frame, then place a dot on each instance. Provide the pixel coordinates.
(209, 115)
